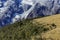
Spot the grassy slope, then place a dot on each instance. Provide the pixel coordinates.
(52, 34)
(36, 29)
(23, 30)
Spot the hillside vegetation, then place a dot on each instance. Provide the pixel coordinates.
(23, 30)
(46, 28)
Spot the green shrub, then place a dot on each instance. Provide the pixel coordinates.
(22, 30)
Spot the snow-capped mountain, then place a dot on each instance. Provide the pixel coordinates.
(42, 8)
(47, 7)
(14, 10)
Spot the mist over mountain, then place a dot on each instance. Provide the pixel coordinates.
(14, 10)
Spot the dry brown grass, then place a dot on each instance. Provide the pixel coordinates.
(49, 20)
(52, 34)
